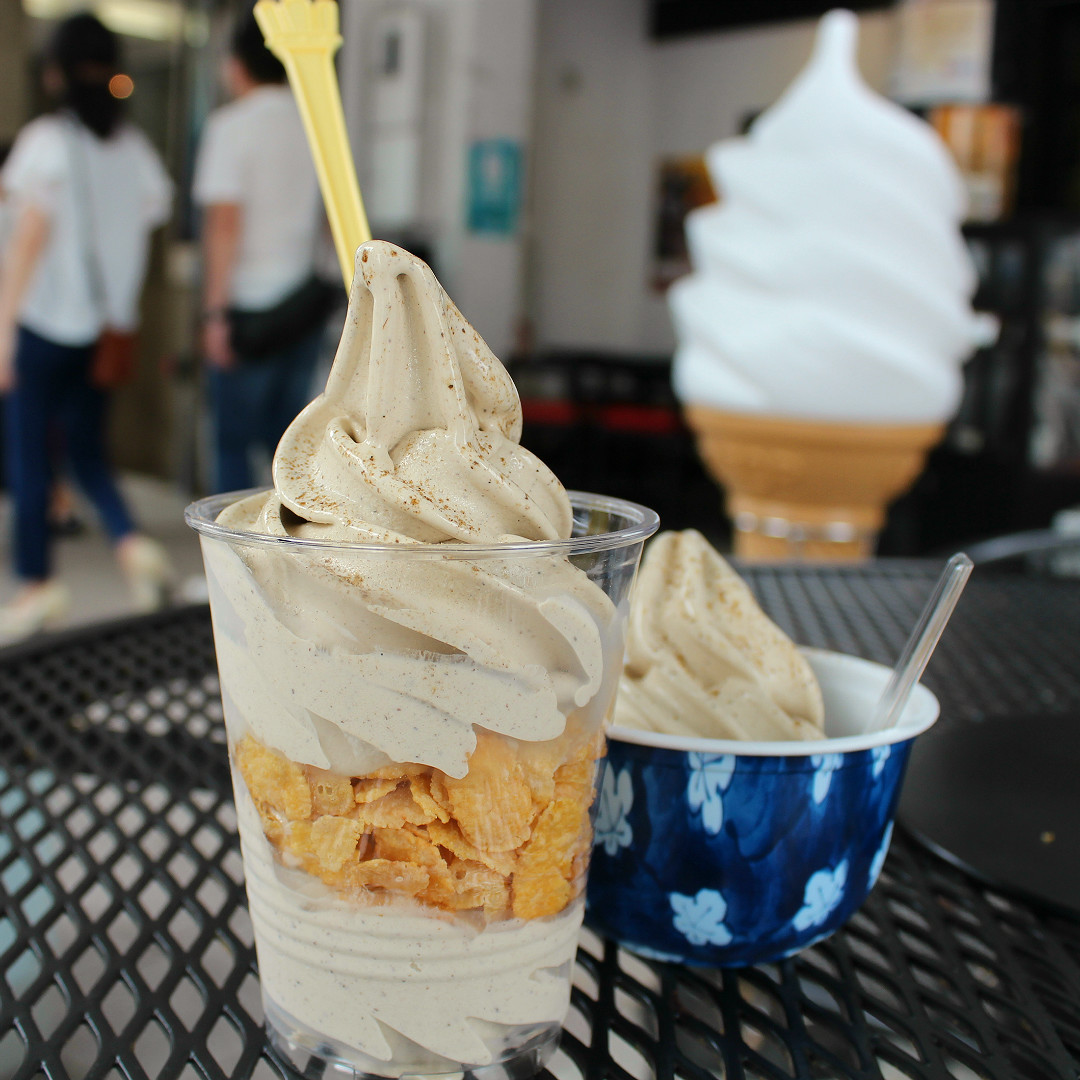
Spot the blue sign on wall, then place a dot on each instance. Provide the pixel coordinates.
(494, 186)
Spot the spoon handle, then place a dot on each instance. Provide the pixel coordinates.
(922, 642)
(304, 35)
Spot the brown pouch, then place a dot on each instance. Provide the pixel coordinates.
(113, 364)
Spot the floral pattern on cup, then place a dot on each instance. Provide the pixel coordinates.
(728, 859)
(879, 754)
(824, 765)
(710, 775)
(878, 862)
(823, 893)
(700, 918)
(613, 830)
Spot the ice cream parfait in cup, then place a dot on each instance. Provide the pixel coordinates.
(419, 636)
(745, 810)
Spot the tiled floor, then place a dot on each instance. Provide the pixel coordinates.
(86, 564)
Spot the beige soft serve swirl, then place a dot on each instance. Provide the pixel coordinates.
(416, 436)
(703, 659)
(414, 442)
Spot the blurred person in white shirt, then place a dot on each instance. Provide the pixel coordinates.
(262, 225)
(83, 190)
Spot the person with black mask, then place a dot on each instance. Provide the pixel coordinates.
(85, 190)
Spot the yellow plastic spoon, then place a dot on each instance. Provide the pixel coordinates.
(303, 35)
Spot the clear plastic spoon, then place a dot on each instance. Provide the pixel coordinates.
(920, 646)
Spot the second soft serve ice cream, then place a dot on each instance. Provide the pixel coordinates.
(703, 659)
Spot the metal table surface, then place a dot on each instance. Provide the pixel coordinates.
(126, 950)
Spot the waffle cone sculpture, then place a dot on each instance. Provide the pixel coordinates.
(808, 489)
(823, 330)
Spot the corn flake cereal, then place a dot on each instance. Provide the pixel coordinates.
(367, 790)
(557, 832)
(539, 762)
(330, 792)
(334, 840)
(578, 771)
(420, 789)
(449, 836)
(511, 837)
(492, 803)
(477, 886)
(401, 845)
(437, 791)
(539, 888)
(402, 877)
(392, 811)
(275, 782)
(398, 771)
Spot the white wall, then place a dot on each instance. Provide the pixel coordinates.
(478, 78)
(487, 270)
(706, 86)
(592, 149)
(609, 103)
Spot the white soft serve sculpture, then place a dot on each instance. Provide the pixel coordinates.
(822, 332)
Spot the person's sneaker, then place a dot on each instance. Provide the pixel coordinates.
(149, 572)
(36, 608)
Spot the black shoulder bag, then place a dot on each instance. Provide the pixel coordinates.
(257, 334)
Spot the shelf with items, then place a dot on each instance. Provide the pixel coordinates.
(1011, 456)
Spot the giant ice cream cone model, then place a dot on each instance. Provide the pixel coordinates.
(822, 331)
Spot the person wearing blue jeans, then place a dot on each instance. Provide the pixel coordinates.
(262, 224)
(253, 402)
(53, 391)
(85, 189)
(52, 395)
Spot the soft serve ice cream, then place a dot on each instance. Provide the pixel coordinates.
(414, 721)
(831, 281)
(703, 659)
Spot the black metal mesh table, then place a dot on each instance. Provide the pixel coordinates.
(126, 950)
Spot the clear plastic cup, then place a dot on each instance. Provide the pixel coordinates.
(414, 732)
